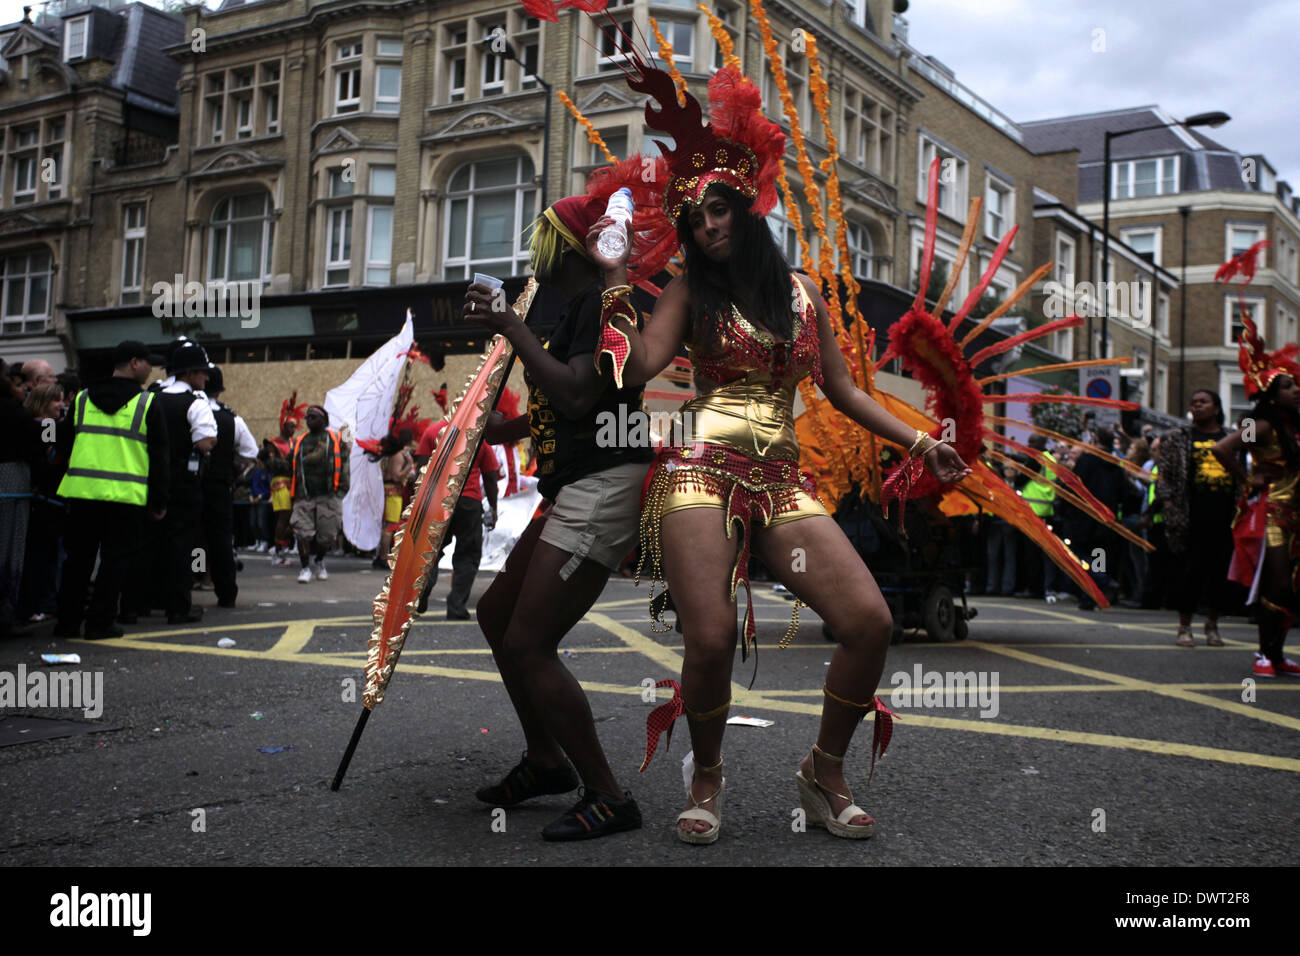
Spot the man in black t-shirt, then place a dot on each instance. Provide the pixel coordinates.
(560, 564)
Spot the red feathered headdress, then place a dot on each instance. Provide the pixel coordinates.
(1258, 366)
(289, 412)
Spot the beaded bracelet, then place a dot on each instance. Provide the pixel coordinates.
(608, 297)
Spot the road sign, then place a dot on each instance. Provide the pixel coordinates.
(1101, 382)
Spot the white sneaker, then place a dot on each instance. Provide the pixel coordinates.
(319, 568)
(304, 576)
(1050, 598)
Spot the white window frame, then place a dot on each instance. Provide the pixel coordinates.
(1259, 230)
(18, 323)
(243, 116)
(784, 234)
(727, 15)
(1063, 272)
(71, 54)
(133, 245)
(378, 271)
(1157, 243)
(604, 32)
(858, 237)
(217, 114)
(1160, 387)
(1142, 360)
(388, 104)
(945, 248)
(1255, 303)
(1162, 314)
(952, 196)
(522, 186)
(25, 185)
(227, 225)
(334, 215)
(490, 62)
(347, 63)
(669, 27)
(996, 184)
(1288, 325)
(1125, 171)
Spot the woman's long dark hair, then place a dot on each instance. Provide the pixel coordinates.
(1285, 421)
(755, 276)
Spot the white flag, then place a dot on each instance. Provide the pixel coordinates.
(364, 403)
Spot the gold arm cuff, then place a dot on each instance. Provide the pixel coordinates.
(708, 714)
(847, 703)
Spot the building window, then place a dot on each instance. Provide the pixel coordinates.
(952, 178)
(1144, 177)
(1063, 262)
(1241, 238)
(379, 226)
(1162, 313)
(615, 141)
(250, 95)
(76, 33)
(1160, 388)
(859, 241)
(347, 77)
(613, 44)
(388, 76)
(338, 245)
(783, 231)
(454, 53)
(1141, 362)
(867, 136)
(1288, 329)
(240, 237)
(25, 162)
(493, 79)
(796, 77)
(999, 208)
(25, 294)
(133, 231)
(1287, 255)
(1145, 242)
(488, 207)
(681, 35)
(728, 17)
(1232, 324)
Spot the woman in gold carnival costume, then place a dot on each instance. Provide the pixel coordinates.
(563, 559)
(1267, 528)
(753, 329)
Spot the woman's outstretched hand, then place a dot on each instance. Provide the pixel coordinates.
(945, 464)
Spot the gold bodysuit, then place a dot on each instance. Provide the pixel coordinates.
(1283, 496)
(740, 454)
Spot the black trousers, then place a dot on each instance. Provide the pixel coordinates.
(217, 518)
(113, 531)
(466, 526)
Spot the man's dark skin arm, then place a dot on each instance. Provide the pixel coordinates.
(499, 431)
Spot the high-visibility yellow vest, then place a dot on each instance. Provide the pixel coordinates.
(1159, 516)
(110, 453)
(1041, 495)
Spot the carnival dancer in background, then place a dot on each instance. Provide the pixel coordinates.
(1274, 381)
(291, 416)
(561, 562)
(320, 474)
(754, 330)
(397, 465)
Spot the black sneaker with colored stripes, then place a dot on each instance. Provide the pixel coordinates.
(526, 781)
(595, 815)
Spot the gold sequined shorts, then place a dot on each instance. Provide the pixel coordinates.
(680, 498)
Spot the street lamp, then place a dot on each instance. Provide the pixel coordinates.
(509, 54)
(1200, 119)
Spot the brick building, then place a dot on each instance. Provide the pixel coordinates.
(1187, 203)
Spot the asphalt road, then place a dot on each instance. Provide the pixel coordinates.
(1110, 746)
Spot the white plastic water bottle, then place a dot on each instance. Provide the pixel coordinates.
(613, 238)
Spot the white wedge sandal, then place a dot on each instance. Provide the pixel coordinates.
(697, 812)
(818, 808)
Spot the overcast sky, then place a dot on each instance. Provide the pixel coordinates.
(1035, 58)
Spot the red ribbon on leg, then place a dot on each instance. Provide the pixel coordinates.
(881, 734)
(661, 720)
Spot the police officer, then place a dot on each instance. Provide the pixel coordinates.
(217, 517)
(117, 468)
(192, 434)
